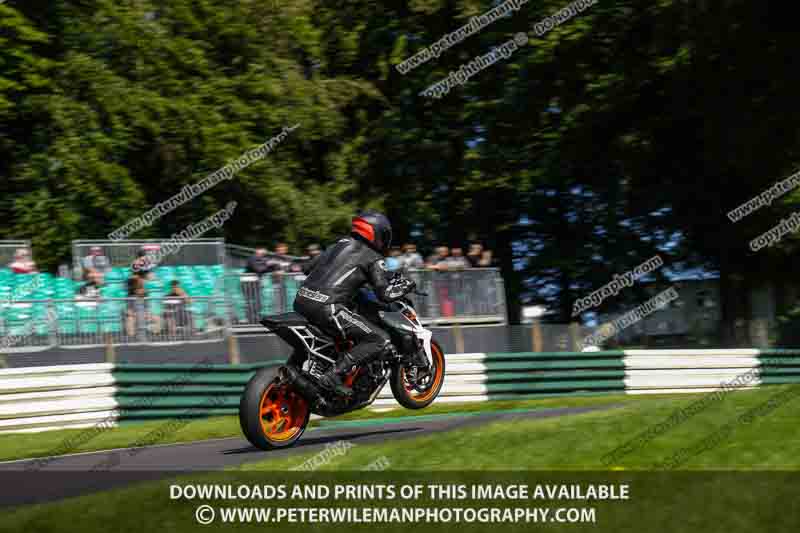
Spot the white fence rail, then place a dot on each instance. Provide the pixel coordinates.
(39, 398)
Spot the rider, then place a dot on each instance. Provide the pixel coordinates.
(334, 280)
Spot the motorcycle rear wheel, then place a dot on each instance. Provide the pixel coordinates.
(272, 414)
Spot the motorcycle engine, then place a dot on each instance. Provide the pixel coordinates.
(316, 366)
(367, 381)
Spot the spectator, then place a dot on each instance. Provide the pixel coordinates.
(438, 260)
(313, 252)
(456, 260)
(410, 257)
(96, 261)
(281, 263)
(475, 254)
(91, 289)
(478, 256)
(486, 258)
(22, 263)
(176, 312)
(257, 263)
(137, 307)
(143, 265)
(136, 294)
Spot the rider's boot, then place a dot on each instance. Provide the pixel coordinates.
(332, 379)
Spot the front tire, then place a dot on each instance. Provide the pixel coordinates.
(272, 414)
(404, 392)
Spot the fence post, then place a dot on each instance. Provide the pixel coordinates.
(111, 356)
(536, 336)
(458, 337)
(234, 357)
(52, 317)
(433, 296)
(574, 333)
(759, 332)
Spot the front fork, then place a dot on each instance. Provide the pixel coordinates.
(417, 369)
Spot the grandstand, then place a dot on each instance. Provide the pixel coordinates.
(41, 310)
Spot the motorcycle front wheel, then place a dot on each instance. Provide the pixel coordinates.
(419, 395)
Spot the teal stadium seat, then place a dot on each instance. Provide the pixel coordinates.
(115, 275)
(18, 321)
(88, 318)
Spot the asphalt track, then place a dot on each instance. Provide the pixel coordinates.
(23, 482)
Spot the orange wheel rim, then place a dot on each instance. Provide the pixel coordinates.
(438, 376)
(282, 413)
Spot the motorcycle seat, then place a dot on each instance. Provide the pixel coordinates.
(291, 320)
(284, 319)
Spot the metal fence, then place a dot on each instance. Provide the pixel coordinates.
(464, 296)
(476, 295)
(539, 337)
(31, 325)
(252, 297)
(237, 256)
(10, 247)
(123, 253)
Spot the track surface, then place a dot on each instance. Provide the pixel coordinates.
(77, 474)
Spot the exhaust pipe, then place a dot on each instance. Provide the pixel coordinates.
(301, 383)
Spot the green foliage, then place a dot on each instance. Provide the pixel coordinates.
(601, 142)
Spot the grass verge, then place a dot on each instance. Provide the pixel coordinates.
(766, 442)
(47, 443)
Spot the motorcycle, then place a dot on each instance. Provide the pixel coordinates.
(278, 401)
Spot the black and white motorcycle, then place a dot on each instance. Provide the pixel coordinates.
(278, 401)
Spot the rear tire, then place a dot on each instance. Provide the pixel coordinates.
(272, 415)
(406, 396)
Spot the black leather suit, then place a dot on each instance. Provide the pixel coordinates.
(328, 293)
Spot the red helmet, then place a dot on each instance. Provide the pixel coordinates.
(374, 228)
